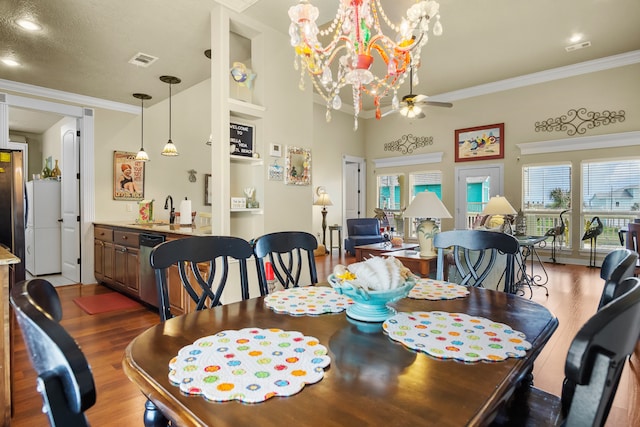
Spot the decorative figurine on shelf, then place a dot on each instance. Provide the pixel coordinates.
(56, 172)
(251, 201)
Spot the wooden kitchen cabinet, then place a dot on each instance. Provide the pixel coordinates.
(117, 259)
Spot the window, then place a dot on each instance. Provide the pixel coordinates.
(546, 195)
(389, 192)
(610, 193)
(422, 181)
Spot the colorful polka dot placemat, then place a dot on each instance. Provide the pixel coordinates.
(437, 289)
(308, 300)
(250, 365)
(456, 336)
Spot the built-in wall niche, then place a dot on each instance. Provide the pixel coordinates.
(241, 74)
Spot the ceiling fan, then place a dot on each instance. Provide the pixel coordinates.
(411, 104)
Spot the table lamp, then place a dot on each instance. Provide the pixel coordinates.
(323, 200)
(427, 205)
(500, 206)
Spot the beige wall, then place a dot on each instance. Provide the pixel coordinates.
(519, 109)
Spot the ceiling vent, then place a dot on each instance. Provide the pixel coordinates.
(577, 46)
(237, 5)
(142, 59)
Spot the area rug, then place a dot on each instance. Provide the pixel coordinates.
(94, 304)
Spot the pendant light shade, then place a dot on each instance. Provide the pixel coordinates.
(142, 155)
(170, 148)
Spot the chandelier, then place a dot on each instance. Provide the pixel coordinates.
(354, 36)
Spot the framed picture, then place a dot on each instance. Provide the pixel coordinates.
(480, 143)
(207, 189)
(298, 166)
(128, 176)
(241, 139)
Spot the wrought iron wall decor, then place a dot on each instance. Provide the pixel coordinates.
(578, 121)
(407, 143)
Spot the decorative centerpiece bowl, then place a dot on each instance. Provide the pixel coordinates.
(368, 305)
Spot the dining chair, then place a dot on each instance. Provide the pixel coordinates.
(616, 266)
(593, 367)
(64, 380)
(203, 268)
(633, 242)
(474, 254)
(287, 252)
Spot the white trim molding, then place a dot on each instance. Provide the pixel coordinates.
(625, 139)
(417, 159)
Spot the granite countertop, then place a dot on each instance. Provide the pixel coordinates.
(159, 227)
(7, 257)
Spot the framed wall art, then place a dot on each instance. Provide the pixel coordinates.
(241, 139)
(128, 176)
(207, 189)
(298, 166)
(480, 143)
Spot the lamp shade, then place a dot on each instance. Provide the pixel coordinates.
(427, 205)
(323, 200)
(498, 205)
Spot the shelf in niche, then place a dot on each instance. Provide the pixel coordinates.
(245, 109)
(247, 160)
(255, 211)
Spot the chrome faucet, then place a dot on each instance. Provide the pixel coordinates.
(172, 212)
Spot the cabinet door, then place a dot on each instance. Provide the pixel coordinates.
(98, 259)
(108, 262)
(120, 266)
(132, 271)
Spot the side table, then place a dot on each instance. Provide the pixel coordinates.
(337, 228)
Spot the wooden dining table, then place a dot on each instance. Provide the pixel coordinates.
(371, 380)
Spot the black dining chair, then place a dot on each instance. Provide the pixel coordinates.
(64, 380)
(616, 266)
(474, 254)
(633, 243)
(593, 368)
(202, 266)
(289, 252)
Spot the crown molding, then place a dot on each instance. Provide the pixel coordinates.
(417, 159)
(625, 139)
(601, 64)
(58, 95)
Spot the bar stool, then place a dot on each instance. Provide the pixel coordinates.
(337, 228)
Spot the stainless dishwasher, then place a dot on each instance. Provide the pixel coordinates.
(148, 289)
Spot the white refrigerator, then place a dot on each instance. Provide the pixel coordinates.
(42, 233)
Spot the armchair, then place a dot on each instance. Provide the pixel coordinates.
(362, 231)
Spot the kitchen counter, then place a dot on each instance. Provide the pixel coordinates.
(159, 227)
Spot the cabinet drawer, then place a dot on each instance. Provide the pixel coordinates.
(126, 238)
(103, 233)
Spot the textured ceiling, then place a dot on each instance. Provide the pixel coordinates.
(85, 45)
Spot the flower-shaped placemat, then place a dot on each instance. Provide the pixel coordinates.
(250, 365)
(456, 336)
(437, 290)
(311, 300)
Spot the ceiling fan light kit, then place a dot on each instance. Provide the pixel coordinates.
(354, 36)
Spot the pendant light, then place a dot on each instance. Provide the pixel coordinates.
(170, 148)
(142, 155)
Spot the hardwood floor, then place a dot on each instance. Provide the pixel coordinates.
(574, 292)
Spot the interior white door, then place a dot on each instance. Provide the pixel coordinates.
(70, 205)
(354, 202)
(492, 175)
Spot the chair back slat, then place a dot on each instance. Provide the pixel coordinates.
(474, 253)
(65, 380)
(289, 252)
(203, 268)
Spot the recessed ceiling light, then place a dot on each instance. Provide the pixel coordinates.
(28, 25)
(10, 62)
(575, 38)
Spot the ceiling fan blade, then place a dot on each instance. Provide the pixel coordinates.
(439, 104)
(420, 98)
